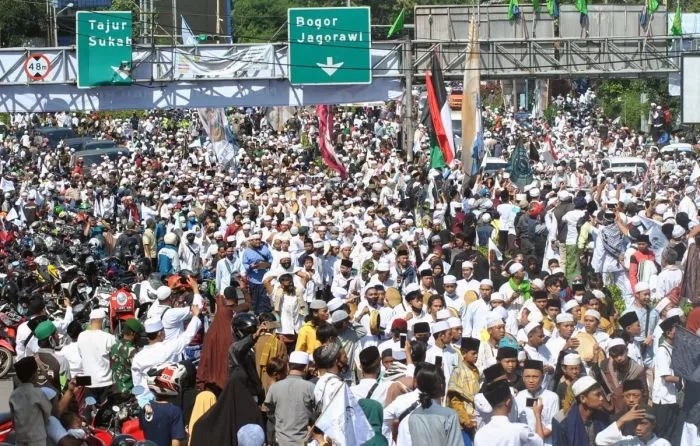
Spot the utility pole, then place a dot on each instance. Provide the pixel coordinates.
(174, 7)
(407, 66)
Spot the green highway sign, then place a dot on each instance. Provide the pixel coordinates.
(103, 48)
(329, 46)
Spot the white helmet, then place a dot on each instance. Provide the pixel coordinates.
(167, 379)
(95, 243)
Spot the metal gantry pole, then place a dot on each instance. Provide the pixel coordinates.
(407, 66)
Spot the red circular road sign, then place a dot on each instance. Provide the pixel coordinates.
(37, 67)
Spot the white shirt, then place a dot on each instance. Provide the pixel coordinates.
(501, 432)
(663, 392)
(23, 332)
(543, 354)
(72, 354)
(475, 318)
(173, 319)
(159, 353)
(326, 388)
(290, 314)
(571, 218)
(94, 346)
(611, 435)
(449, 356)
(361, 390)
(550, 407)
(393, 411)
(506, 211)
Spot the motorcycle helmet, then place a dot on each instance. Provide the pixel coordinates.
(244, 324)
(167, 380)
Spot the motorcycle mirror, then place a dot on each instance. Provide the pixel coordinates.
(90, 401)
(138, 390)
(115, 409)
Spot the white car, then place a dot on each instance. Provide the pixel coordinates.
(614, 165)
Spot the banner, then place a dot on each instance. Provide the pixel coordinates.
(657, 239)
(520, 168)
(472, 129)
(212, 63)
(216, 125)
(343, 420)
(325, 140)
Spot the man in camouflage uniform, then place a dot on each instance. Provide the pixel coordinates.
(122, 353)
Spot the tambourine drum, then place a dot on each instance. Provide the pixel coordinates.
(470, 296)
(393, 297)
(426, 296)
(374, 322)
(453, 311)
(586, 346)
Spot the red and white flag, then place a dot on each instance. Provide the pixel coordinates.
(550, 144)
(325, 140)
(440, 110)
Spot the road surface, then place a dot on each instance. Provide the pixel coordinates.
(5, 390)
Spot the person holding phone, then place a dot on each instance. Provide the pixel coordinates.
(533, 374)
(257, 260)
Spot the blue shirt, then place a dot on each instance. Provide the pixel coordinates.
(167, 424)
(251, 256)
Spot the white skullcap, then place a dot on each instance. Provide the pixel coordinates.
(454, 322)
(583, 384)
(535, 316)
(570, 305)
(443, 314)
(614, 342)
(531, 326)
(663, 303)
(153, 325)
(571, 359)
(467, 264)
(593, 313)
(537, 283)
(231, 238)
(487, 282)
(641, 286)
(515, 267)
(492, 320)
(497, 296)
(564, 317)
(382, 266)
(163, 292)
(439, 327)
(335, 303)
(449, 280)
(298, 357)
(377, 247)
(98, 313)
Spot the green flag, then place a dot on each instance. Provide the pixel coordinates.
(677, 28)
(652, 6)
(513, 10)
(397, 27)
(437, 159)
(582, 6)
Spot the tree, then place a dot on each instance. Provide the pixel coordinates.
(129, 5)
(21, 20)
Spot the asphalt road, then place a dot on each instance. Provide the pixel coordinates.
(5, 390)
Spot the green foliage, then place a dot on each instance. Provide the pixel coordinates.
(622, 97)
(618, 301)
(129, 5)
(20, 20)
(551, 112)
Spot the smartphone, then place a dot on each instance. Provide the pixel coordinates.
(402, 340)
(529, 402)
(438, 361)
(83, 380)
(619, 180)
(273, 325)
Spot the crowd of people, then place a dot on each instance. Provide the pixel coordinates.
(406, 304)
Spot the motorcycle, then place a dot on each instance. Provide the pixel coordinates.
(122, 306)
(116, 417)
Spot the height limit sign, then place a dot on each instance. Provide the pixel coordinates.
(37, 67)
(329, 46)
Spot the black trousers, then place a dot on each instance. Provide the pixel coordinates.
(668, 422)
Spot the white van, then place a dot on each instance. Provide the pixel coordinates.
(615, 165)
